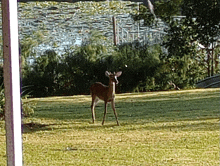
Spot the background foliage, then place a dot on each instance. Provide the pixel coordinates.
(194, 26)
(145, 68)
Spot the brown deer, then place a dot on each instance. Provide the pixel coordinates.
(105, 93)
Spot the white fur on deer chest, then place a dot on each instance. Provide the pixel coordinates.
(111, 92)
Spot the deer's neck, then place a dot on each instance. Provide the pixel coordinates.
(112, 87)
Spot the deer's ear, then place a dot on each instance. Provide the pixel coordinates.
(107, 73)
(118, 74)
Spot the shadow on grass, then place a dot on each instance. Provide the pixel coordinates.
(33, 127)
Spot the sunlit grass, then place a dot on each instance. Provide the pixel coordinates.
(157, 128)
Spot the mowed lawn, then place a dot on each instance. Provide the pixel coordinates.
(157, 128)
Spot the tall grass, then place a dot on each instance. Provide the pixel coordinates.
(157, 128)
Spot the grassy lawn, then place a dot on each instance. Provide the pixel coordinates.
(157, 128)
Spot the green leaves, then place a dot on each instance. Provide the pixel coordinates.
(163, 9)
(179, 39)
(206, 15)
(166, 9)
(203, 17)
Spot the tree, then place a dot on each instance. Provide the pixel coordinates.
(203, 17)
(183, 65)
(201, 24)
(163, 9)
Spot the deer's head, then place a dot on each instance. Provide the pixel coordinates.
(113, 76)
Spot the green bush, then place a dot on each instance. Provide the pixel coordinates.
(44, 75)
(28, 107)
(83, 67)
(138, 64)
(181, 72)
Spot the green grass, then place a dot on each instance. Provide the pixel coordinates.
(157, 128)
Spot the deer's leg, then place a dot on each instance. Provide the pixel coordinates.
(94, 102)
(113, 107)
(104, 113)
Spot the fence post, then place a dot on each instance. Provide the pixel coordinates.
(12, 83)
(114, 30)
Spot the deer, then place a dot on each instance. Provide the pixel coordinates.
(105, 93)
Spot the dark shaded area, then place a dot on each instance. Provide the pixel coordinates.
(33, 127)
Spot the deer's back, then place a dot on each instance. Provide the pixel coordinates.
(99, 89)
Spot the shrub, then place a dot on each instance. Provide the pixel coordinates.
(28, 107)
(43, 75)
(138, 64)
(82, 68)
